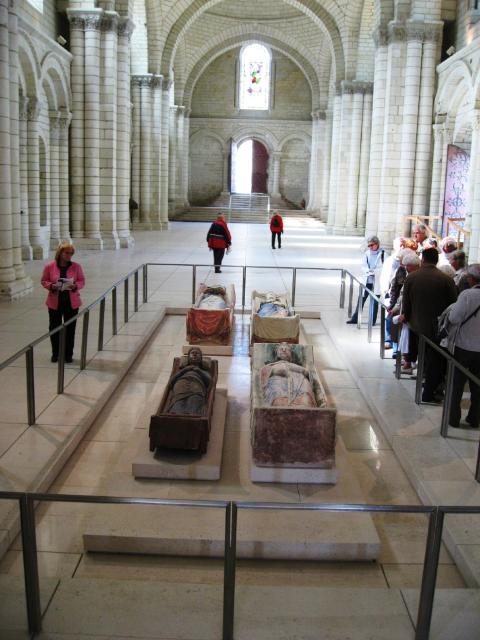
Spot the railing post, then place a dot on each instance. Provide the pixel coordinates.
(101, 324)
(135, 291)
(342, 289)
(350, 297)
(114, 311)
(30, 386)
(30, 564)
(382, 331)
(420, 367)
(294, 285)
(429, 578)
(83, 353)
(398, 359)
(447, 400)
(145, 283)
(359, 306)
(61, 360)
(244, 282)
(125, 301)
(194, 282)
(229, 570)
(370, 317)
(477, 470)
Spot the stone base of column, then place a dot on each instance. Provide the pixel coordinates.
(54, 242)
(88, 244)
(127, 242)
(275, 194)
(27, 252)
(39, 252)
(354, 231)
(110, 241)
(16, 289)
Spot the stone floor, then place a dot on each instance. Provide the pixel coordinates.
(371, 426)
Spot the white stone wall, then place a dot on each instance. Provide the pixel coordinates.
(43, 21)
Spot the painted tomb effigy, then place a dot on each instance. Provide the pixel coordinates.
(184, 416)
(210, 319)
(291, 425)
(273, 319)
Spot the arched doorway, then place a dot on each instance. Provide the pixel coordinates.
(249, 167)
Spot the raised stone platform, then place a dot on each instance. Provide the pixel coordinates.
(182, 465)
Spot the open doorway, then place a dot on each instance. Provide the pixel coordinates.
(249, 167)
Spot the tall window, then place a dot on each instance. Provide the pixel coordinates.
(38, 4)
(255, 62)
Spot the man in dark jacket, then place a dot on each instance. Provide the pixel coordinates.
(218, 239)
(426, 293)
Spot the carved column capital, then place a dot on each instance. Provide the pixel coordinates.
(33, 108)
(397, 32)
(415, 30)
(434, 32)
(318, 114)
(125, 27)
(380, 36)
(476, 120)
(109, 22)
(157, 81)
(167, 83)
(92, 23)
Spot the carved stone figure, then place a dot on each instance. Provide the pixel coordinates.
(273, 306)
(189, 387)
(210, 319)
(285, 383)
(213, 298)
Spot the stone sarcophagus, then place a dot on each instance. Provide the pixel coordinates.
(210, 319)
(273, 319)
(184, 416)
(291, 424)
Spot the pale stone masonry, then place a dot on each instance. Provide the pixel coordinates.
(139, 99)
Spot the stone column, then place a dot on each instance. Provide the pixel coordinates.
(155, 165)
(77, 131)
(186, 154)
(332, 189)
(172, 159)
(378, 118)
(343, 157)
(225, 187)
(423, 156)
(108, 111)
(27, 253)
(92, 132)
(164, 151)
(354, 160)
(277, 157)
(125, 29)
(145, 151)
(135, 141)
(64, 197)
(180, 177)
(34, 180)
(411, 98)
(364, 159)
(325, 150)
(315, 164)
(13, 283)
(55, 234)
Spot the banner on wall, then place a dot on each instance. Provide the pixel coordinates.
(455, 200)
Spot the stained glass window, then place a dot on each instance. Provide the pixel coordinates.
(255, 62)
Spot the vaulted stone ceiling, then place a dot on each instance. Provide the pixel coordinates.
(251, 10)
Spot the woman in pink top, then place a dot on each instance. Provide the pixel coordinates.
(63, 279)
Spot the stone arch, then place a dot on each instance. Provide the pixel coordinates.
(227, 42)
(458, 83)
(52, 70)
(213, 134)
(206, 174)
(318, 14)
(29, 69)
(252, 133)
(300, 135)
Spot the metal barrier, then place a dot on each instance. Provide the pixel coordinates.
(436, 516)
(85, 314)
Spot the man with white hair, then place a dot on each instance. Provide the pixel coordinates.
(465, 313)
(419, 233)
(372, 264)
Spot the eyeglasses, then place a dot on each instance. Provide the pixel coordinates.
(372, 245)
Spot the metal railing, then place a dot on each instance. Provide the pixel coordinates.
(436, 515)
(423, 341)
(84, 314)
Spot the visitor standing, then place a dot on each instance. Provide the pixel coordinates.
(218, 239)
(63, 279)
(276, 227)
(372, 264)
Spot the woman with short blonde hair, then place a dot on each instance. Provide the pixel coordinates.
(63, 279)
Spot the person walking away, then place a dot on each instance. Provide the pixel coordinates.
(465, 315)
(63, 279)
(426, 293)
(218, 239)
(372, 264)
(276, 227)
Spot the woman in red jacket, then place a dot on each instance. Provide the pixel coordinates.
(276, 227)
(63, 279)
(218, 239)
